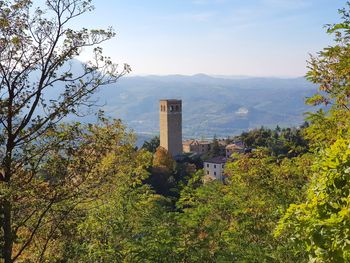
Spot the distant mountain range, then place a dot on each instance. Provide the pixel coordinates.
(211, 105)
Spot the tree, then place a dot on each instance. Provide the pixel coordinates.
(204, 222)
(81, 164)
(234, 222)
(151, 145)
(286, 142)
(163, 172)
(320, 224)
(264, 187)
(215, 148)
(131, 224)
(163, 159)
(330, 69)
(36, 46)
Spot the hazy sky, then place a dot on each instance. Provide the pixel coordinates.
(223, 37)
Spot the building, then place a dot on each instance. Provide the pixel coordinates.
(214, 168)
(233, 148)
(222, 146)
(171, 126)
(195, 146)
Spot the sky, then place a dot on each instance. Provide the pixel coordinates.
(215, 37)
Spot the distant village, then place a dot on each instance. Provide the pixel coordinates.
(171, 140)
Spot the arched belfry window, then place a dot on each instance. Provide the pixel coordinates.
(171, 108)
(177, 107)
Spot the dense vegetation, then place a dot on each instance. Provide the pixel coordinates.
(280, 142)
(84, 193)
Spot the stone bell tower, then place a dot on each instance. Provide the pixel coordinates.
(171, 126)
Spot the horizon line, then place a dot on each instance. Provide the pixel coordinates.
(221, 76)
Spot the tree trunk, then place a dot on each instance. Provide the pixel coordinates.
(7, 207)
(8, 241)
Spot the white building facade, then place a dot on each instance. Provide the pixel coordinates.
(214, 168)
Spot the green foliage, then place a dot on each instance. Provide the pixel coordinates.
(162, 159)
(322, 222)
(326, 127)
(167, 176)
(331, 68)
(37, 49)
(286, 142)
(82, 193)
(128, 225)
(331, 71)
(234, 222)
(204, 235)
(282, 179)
(152, 144)
(264, 188)
(215, 148)
(70, 167)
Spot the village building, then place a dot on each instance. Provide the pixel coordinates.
(233, 148)
(214, 168)
(222, 146)
(196, 146)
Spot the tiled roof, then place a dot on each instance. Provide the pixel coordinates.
(204, 142)
(188, 142)
(195, 142)
(233, 146)
(218, 160)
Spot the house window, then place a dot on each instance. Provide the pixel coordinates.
(214, 166)
(215, 173)
(222, 166)
(207, 172)
(208, 165)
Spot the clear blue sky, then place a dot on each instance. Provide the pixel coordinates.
(218, 37)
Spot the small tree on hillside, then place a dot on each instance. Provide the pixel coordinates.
(215, 147)
(152, 144)
(163, 159)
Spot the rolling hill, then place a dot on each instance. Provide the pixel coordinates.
(211, 105)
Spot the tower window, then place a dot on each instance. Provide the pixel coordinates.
(177, 107)
(171, 108)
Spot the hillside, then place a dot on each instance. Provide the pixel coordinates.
(211, 105)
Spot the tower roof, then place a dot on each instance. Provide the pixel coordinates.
(171, 100)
